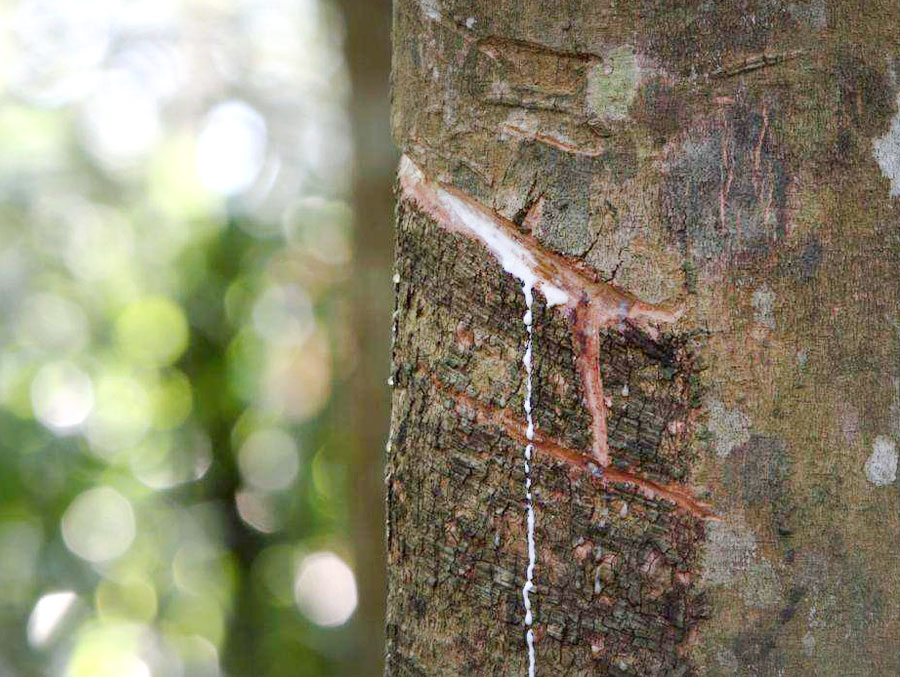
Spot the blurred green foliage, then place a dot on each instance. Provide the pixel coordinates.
(174, 339)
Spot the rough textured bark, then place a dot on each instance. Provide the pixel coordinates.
(713, 188)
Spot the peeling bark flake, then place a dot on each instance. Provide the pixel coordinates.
(886, 150)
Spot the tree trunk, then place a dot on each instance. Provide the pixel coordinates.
(685, 215)
(367, 51)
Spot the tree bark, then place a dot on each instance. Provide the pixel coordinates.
(703, 200)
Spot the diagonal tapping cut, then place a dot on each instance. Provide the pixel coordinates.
(484, 414)
(589, 303)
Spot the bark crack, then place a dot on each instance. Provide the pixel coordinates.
(755, 62)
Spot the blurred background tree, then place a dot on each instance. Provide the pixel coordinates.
(187, 307)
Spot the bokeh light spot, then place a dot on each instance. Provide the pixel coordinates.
(99, 525)
(231, 148)
(97, 241)
(157, 65)
(109, 650)
(325, 589)
(120, 121)
(48, 614)
(53, 323)
(256, 510)
(268, 460)
(297, 381)
(152, 331)
(284, 314)
(62, 396)
(62, 44)
(121, 416)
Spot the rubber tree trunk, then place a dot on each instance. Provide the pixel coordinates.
(701, 197)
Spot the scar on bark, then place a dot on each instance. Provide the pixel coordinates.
(755, 62)
(551, 140)
(675, 493)
(589, 303)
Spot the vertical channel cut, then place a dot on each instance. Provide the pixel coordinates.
(528, 290)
